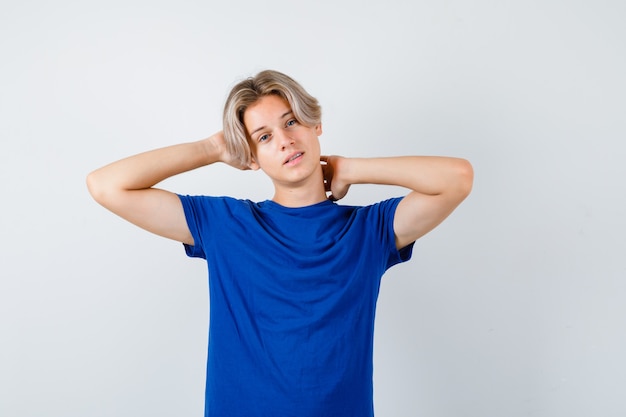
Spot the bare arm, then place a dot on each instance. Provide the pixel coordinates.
(438, 185)
(126, 187)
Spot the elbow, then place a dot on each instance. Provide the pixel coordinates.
(96, 187)
(465, 176)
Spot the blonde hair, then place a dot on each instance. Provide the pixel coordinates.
(305, 107)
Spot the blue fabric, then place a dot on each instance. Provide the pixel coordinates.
(292, 302)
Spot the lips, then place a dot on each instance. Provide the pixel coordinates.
(293, 157)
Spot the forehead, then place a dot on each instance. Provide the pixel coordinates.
(264, 111)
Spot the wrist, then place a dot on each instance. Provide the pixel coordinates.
(214, 148)
(346, 170)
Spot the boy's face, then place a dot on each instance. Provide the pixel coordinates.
(287, 151)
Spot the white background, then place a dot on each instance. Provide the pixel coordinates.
(515, 306)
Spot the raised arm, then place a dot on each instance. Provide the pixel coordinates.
(126, 187)
(438, 185)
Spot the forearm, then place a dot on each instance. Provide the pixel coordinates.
(429, 175)
(147, 169)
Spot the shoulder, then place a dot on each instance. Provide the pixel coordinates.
(203, 205)
(207, 200)
(377, 216)
(386, 208)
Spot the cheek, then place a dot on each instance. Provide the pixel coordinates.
(254, 147)
(260, 154)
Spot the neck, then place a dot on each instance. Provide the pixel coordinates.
(300, 195)
(298, 198)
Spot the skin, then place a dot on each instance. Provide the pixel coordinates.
(289, 153)
(275, 136)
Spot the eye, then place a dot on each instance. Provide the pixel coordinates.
(263, 138)
(291, 122)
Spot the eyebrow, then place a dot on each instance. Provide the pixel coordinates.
(263, 127)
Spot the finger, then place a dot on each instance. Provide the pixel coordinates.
(327, 183)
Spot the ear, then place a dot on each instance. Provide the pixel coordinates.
(253, 165)
(318, 129)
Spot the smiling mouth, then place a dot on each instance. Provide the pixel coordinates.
(294, 157)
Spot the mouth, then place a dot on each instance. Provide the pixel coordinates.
(293, 157)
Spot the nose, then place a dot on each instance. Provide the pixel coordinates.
(284, 139)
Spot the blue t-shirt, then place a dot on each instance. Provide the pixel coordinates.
(292, 302)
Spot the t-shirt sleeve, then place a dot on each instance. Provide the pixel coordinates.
(386, 212)
(193, 214)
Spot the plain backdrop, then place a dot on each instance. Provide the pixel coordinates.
(514, 306)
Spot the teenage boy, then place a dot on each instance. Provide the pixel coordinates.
(293, 280)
